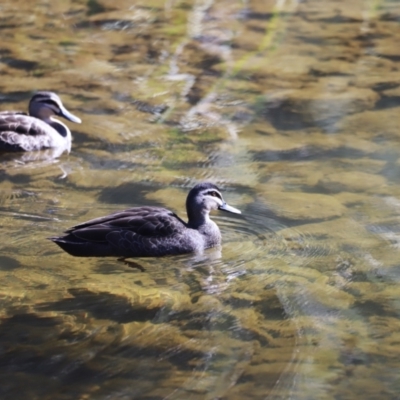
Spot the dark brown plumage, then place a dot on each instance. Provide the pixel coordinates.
(150, 231)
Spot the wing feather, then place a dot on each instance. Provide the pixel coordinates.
(19, 131)
(134, 225)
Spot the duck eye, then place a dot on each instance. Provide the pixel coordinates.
(214, 194)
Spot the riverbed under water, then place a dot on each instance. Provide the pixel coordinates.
(292, 108)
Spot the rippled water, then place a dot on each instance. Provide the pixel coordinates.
(292, 109)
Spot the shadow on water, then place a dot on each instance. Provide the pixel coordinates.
(8, 263)
(124, 193)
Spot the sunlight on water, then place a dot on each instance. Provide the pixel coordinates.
(291, 109)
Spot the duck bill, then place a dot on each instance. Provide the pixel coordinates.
(67, 115)
(227, 207)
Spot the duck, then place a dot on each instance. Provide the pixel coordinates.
(39, 129)
(150, 231)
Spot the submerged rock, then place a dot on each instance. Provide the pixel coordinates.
(353, 181)
(298, 206)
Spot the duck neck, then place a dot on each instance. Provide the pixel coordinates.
(59, 127)
(198, 218)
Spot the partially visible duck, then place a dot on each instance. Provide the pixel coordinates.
(150, 231)
(38, 129)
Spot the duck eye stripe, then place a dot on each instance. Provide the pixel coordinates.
(40, 97)
(214, 194)
(51, 104)
(48, 101)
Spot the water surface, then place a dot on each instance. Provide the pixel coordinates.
(292, 109)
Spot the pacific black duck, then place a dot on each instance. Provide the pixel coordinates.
(38, 129)
(150, 231)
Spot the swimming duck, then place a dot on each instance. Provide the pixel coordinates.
(38, 129)
(150, 231)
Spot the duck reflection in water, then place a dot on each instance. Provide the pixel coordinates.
(39, 129)
(150, 231)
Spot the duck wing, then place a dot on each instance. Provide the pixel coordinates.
(12, 113)
(139, 222)
(19, 131)
(136, 232)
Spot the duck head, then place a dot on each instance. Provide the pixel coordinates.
(44, 105)
(204, 198)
